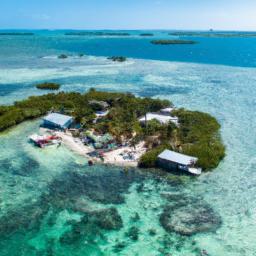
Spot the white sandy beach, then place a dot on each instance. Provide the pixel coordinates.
(114, 157)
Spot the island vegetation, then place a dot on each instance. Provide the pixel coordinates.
(197, 133)
(62, 56)
(16, 34)
(146, 34)
(176, 41)
(213, 34)
(117, 58)
(88, 33)
(48, 86)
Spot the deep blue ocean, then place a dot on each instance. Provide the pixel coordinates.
(235, 51)
(52, 203)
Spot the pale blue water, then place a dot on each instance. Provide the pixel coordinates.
(46, 193)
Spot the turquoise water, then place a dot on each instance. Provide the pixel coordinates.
(51, 203)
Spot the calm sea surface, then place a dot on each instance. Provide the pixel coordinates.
(51, 203)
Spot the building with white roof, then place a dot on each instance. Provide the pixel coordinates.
(163, 119)
(166, 111)
(174, 161)
(57, 120)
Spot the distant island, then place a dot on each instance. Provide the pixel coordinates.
(86, 33)
(117, 58)
(62, 56)
(16, 34)
(168, 42)
(48, 86)
(214, 34)
(146, 34)
(115, 126)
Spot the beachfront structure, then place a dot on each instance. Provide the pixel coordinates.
(56, 120)
(174, 161)
(100, 114)
(163, 119)
(166, 111)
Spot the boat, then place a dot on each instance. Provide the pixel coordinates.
(195, 171)
(45, 140)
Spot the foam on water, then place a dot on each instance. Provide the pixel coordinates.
(226, 92)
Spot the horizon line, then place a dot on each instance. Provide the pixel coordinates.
(137, 29)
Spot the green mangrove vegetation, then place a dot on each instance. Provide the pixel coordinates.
(199, 136)
(48, 86)
(147, 34)
(118, 58)
(16, 34)
(88, 33)
(214, 34)
(197, 133)
(176, 41)
(62, 56)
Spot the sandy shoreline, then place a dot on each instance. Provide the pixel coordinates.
(118, 157)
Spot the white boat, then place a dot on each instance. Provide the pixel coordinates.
(194, 170)
(45, 140)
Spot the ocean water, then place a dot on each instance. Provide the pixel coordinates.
(52, 203)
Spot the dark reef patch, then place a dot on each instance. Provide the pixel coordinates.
(26, 218)
(104, 187)
(188, 216)
(65, 193)
(108, 219)
(92, 224)
(27, 167)
(133, 233)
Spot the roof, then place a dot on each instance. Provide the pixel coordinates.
(177, 157)
(163, 119)
(169, 110)
(101, 113)
(58, 119)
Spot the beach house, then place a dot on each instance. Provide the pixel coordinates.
(167, 111)
(161, 118)
(56, 120)
(174, 161)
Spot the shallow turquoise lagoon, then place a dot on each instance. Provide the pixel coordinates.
(52, 203)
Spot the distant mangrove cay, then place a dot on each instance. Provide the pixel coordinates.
(48, 86)
(86, 33)
(168, 42)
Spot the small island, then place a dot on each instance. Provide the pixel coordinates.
(121, 129)
(173, 42)
(213, 34)
(146, 34)
(48, 86)
(62, 56)
(16, 34)
(87, 33)
(117, 58)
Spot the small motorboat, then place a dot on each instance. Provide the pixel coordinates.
(195, 171)
(45, 140)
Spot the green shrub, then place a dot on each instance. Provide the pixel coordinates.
(149, 159)
(200, 137)
(117, 58)
(48, 86)
(63, 56)
(176, 41)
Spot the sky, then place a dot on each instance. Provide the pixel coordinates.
(128, 14)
